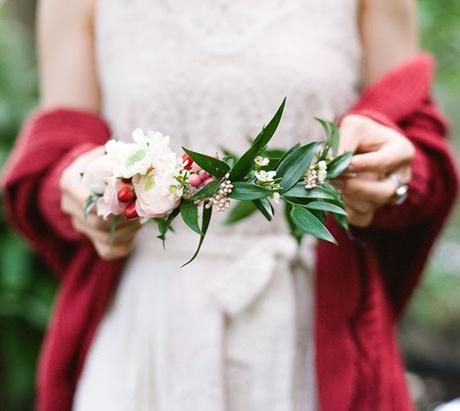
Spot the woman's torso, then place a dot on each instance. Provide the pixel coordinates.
(210, 73)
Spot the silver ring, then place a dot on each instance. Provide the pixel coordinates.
(401, 189)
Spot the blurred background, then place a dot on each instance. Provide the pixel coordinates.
(430, 332)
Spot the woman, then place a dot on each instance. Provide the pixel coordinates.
(240, 328)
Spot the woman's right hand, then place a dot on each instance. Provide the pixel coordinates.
(73, 196)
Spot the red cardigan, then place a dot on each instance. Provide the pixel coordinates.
(362, 286)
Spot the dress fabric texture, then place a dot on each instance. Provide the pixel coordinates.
(233, 330)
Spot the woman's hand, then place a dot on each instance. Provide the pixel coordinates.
(379, 153)
(74, 194)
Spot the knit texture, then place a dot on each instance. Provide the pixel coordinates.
(362, 286)
(49, 142)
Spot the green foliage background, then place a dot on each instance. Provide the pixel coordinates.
(430, 331)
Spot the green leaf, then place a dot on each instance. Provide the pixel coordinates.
(207, 191)
(308, 223)
(337, 166)
(189, 214)
(213, 166)
(240, 211)
(295, 231)
(206, 218)
(164, 224)
(325, 206)
(341, 220)
(228, 153)
(294, 166)
(90, 203)
(113, 226)
(299, 191)
(288, 152)
(337, 196)
(332, 133)
(275, 153)
(247, 191)
(246, 161)
(265, 207)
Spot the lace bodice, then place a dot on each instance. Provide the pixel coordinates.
(210, 73)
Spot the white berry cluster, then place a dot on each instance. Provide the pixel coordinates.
(220, 200)
(316, 174)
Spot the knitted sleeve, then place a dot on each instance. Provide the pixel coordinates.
(47, 143)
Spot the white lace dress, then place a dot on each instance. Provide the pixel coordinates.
(233, 330)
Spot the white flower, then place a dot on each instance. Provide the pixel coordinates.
(130, 159)
(139, 157)
(96, 175)
(276, 197)
(322, 165)
(261, 161)
(265, 176)
(322, 175)
(322, 171)
(310, 178)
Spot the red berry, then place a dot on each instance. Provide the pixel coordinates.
(130, 211)
(194, 180)
(204, 175)
(126, 180)
(125, 194)
(187, 160)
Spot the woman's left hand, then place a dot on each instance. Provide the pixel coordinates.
(379, 153)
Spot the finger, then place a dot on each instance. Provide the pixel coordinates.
(72, 207)
(377, 192)
(102, 224)
(110, 253)
(358, 219)
(92, 220)
(120, 235)
(76, 191)
(349, 139)
(390, 156)
(126, 233)
(361, 206)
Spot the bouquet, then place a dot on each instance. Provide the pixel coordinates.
(146, 180)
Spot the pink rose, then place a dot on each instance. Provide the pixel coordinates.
(157, 194)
